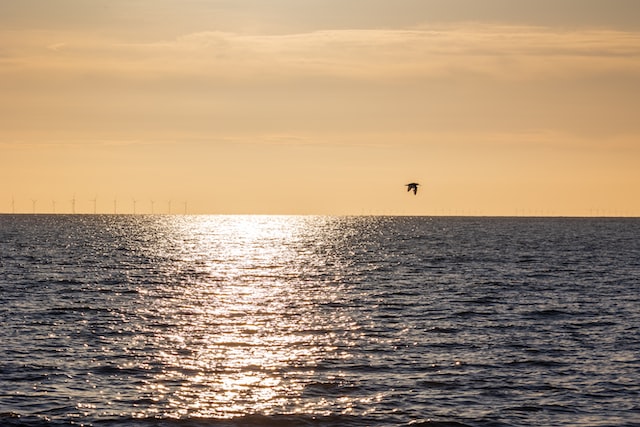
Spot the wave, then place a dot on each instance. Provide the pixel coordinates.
(253, 420)
(294, 420)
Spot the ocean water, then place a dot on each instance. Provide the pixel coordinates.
(116, 320)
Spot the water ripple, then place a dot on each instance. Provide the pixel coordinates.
(320, 321)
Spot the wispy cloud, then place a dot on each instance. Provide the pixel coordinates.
(496, 51)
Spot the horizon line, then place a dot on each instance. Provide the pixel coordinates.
(613, 216)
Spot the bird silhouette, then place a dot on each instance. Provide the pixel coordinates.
(413, 186)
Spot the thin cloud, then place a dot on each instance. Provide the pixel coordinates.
(509, 52)
(499, 51)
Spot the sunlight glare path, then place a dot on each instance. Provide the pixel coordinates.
(246, 334)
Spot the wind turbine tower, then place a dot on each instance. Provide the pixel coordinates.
(134, 206)
(33, 205)
(73, 204)
(152, 203)
(95, 202)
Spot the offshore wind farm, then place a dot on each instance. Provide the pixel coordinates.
(93, 206)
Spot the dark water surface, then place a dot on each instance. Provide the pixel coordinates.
(318, 321)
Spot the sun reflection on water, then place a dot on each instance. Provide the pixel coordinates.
(246, 332)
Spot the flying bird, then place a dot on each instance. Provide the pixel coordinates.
(413, 186)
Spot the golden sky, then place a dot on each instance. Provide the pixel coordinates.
(497, 107)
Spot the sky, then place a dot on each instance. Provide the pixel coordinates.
(328, 107)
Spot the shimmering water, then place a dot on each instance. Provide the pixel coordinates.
(361, 321)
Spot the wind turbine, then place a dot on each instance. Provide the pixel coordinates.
(33, 206)
(73, 204)
(115, 205)
(152, 203)
(53, 206)
(134, 206)
(13, 205)
(94, 200)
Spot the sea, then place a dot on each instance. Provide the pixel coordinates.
(170, 321)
